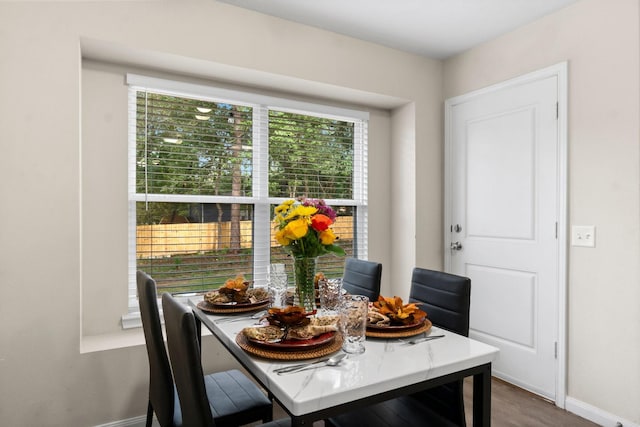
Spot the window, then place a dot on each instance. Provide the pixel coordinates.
(207, 167)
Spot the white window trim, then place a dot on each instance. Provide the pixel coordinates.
(261, 105)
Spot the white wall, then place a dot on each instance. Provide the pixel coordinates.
(63, 359)
(48, 227)
(600, 41)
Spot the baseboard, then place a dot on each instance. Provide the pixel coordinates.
(596, 415)
(132, 422)
(575, 406)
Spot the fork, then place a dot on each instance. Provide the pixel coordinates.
(237, 318)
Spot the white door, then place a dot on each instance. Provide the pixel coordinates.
(502, 169)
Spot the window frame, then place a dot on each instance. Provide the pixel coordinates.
(260, 199)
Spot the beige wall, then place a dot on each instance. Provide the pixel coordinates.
(63, 254)
(63, 269)
(600, 41)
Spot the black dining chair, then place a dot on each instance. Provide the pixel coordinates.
(196, 392)
(446, 298)
(362, 277)
(234, 398)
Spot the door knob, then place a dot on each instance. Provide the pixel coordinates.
(456, 246)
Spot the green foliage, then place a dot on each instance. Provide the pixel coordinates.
(194, 147)
(310, 155)
(183, 150)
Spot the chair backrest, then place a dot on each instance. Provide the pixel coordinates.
(446, 298)
(161, 388)
(184, 351)
(362, 278)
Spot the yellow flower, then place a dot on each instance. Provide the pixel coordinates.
(296, 229)
(281, 238)
(301, 211)
(327, 237)
(284, 206)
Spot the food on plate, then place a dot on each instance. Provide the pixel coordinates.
(214, 297)
(239, 283)
(236, 290)
(316, 326)
(325, 320)
(289, 316)
(391, 311)
(377, 318)
(263, 333)
(257, 294)
(312, 327)
(310, 331)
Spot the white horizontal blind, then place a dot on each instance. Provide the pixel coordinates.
(313, 156)
(206, 173)
(192, 147)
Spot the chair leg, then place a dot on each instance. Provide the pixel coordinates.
(149, 414)
(269, 417)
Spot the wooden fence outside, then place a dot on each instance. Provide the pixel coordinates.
(163, 240)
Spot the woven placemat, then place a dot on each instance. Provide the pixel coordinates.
(208, 308)
(269, 353)
(420, 329)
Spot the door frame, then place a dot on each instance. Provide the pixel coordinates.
(560, 71)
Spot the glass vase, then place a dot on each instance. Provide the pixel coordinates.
(304, 270)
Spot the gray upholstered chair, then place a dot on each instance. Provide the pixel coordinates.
(446, 299)
(362, 277)
(196, 392)
(234, 399)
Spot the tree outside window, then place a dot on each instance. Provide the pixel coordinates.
(197, 197)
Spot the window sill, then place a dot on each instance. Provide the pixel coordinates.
(131, 335)
(116, 340)
(133, 320)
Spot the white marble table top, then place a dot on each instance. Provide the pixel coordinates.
(387, 364)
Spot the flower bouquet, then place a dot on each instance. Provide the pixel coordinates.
(303, 228)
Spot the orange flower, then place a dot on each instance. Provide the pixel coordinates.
(320, 222)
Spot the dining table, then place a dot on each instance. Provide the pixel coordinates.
(388, 368)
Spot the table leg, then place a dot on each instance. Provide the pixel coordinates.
(482, 398)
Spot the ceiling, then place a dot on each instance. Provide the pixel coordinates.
(434, 28)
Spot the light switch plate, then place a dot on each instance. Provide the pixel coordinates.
(583, 235)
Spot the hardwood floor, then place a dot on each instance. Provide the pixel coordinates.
(510, 407)
(514, 407)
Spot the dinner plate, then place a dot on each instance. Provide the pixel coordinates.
(234, 304)
(231, 308)
(310, 343)
(388, 332)
(391, 328)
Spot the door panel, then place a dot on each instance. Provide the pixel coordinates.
(512, 295)
(504, 196)
(500, 176)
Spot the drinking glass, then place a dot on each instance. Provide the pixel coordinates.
(278, 285)
(330, 291)
(353, 322)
